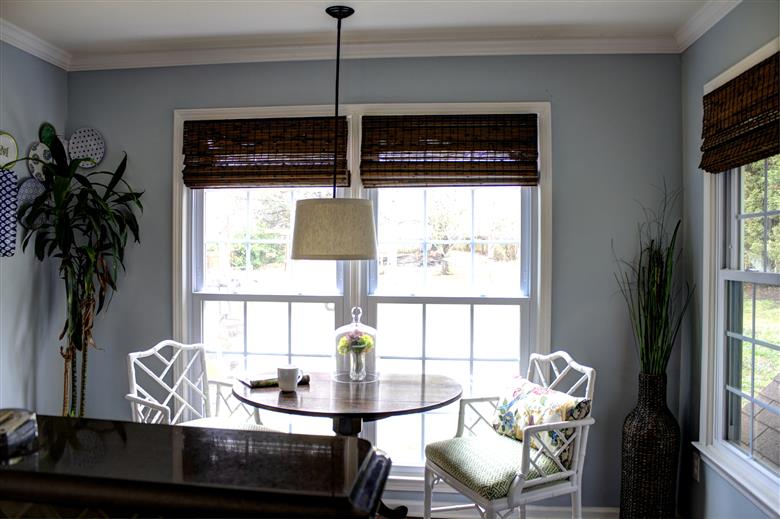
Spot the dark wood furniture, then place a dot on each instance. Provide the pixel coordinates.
(351, 404)
(122, 469)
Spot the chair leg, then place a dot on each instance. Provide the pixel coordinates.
(521, 512)
(576, 504)
(428, 492)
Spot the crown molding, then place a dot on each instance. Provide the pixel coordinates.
(387, 44)
(389, 49)
(32, 44)
(702, 21)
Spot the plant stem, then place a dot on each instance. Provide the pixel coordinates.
(83, 380)
(73, 381)
(65, 363)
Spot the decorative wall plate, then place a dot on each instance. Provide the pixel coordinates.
(8, 194)
(9, 150)
(40, 152)
(87, 143)
(29, 190)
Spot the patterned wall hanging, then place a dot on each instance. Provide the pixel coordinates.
(8, 193)
(87, 143)
(41, 154)
(9, 150)
(29, 190)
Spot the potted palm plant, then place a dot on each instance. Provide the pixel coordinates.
(656, 301)
(83, 220)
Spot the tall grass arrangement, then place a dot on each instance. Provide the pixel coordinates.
(650, 285)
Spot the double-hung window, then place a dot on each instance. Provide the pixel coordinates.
(456, 289)
(750, 307)
(740, 417)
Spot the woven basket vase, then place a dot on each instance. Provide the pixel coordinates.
(651, 445)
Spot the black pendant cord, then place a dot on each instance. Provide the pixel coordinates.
(336, 111)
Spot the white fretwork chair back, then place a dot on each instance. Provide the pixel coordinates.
(169, 385)
(551, 477)
(560, 372)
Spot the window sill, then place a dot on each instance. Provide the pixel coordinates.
(754, 483)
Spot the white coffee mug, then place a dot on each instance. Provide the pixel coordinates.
(289, 376)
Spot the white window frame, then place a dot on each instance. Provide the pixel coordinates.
(755, 482)
(536, 317)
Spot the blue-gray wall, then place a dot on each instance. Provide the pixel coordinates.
(616, 133)
(31, 92)
(747, 28)
(622, 125)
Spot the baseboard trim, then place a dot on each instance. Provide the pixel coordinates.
(532, 512)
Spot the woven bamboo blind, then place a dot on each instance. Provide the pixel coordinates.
(449, 150)
(741, 119)
(282, 152)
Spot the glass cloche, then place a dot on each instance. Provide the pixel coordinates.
(356, 351)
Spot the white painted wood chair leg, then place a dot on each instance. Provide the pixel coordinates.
(490, 514)
(521, 512)
(576, 505)
(428, 492)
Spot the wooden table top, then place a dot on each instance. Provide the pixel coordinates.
(391, 395)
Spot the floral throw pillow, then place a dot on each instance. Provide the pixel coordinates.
(532, 404)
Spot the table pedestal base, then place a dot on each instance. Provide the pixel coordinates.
(347, 426)
(352, 427)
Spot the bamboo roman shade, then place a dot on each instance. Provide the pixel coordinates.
(741, 119)
(289, 152)
(449, 150)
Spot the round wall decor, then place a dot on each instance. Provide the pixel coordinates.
(39, 153)
(87, 143)
(9, 150)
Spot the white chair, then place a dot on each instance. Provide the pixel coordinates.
(171, 378)
(500, 474)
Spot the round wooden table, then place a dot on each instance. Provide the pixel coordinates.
(352, 403)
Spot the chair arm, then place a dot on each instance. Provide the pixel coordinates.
(467, 402)
(582, 427)
(138, 403)
(553, 426)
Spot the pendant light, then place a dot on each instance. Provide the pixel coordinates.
(334, 228)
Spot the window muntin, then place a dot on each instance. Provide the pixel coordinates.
(750, 299)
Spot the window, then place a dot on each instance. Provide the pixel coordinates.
(751, 308)
(451, 293)
(253, 307)
(456, 290)
(740, 289)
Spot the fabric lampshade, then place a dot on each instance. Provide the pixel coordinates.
(334, 229)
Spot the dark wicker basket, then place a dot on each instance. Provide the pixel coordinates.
(651, 445)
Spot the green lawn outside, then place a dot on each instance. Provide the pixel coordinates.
(767, 359)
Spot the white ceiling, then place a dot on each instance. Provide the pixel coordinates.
(114, 33)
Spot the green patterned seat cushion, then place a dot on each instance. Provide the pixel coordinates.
(485, 464)
(215, 422)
